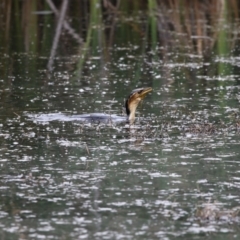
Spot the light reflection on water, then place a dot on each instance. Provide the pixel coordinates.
(65, 179)
(57, 179)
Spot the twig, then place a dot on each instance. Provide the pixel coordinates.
(86, 146)
(57, 34)
(66, 25)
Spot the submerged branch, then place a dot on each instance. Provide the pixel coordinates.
(66, 25)
(57, 33)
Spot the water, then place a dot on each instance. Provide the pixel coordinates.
(173, 175)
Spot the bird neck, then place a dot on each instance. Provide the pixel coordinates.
(131, 110)
(131, 117)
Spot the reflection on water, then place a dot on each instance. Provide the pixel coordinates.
(174, 174)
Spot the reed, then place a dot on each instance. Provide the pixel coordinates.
(169, 25)
(95, 36)
(193, 21)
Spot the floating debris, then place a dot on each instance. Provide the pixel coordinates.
(215, 212)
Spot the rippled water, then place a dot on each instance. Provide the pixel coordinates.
(67, 179)
(173, 175)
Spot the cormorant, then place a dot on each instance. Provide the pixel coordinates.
(131, 104)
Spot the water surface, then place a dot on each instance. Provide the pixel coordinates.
(173, 175)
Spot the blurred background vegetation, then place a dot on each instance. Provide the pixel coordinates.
(170, 24)
(85, 33)
(164, 31)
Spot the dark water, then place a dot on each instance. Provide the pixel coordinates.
(174, 175)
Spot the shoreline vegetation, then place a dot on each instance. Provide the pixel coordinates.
(201, 25)
(178, 42)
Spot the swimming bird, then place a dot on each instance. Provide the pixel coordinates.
(131, 104)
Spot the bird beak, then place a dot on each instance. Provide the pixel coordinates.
(144, 92)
